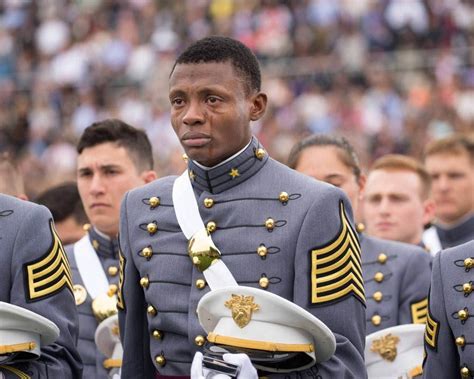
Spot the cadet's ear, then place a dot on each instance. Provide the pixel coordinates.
(148, 176)
(258, 107)
(429, 209)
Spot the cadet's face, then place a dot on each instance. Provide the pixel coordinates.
(393, 208)
(210, 110)
(104, 173)
(323, 163)
(69, 230)
(452, 185)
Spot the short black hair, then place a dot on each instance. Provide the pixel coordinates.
(63, 201)
(347, 152)
(223, 49)
(113, 130)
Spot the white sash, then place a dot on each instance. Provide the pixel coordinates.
(431, 240)
(190, 221)
(90, 268)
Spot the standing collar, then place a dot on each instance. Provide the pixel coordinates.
(230, 172)
(102, 244)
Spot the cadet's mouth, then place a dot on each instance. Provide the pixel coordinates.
(195, 139)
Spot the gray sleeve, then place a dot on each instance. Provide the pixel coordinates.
(441, 353)
(136, 361)
(34, 242)
(414, 288)
(327, 226)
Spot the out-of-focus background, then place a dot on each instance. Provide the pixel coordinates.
(388, 74)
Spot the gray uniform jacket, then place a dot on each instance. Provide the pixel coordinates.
(397, 280)
(27, 237)
(449, 335)
(107, 251)
(160, 287)
(456, 235)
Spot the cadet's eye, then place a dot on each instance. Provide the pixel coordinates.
(212, 99)
(177, 102)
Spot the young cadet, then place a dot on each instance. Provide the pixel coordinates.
(271, 224)
(397, 203)
(449, 332)
(65, 205)
(113, 158)
(450, 162)
(396, 275)
(35, 275)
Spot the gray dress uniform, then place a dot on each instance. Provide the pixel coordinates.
(35, 275)
(456, 235)
(107, 251)
(276, 229)
(397, 280)
(449, 334)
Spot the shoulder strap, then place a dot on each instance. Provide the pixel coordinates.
(190, 221)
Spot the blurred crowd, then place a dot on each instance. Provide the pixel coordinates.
(390, 75)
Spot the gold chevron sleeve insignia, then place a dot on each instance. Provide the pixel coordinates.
(419, 311)
(20, 374)
(431, 332)
(336, 270)
(50, 273)
(120, 302)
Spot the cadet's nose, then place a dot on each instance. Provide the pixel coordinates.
(194, 114)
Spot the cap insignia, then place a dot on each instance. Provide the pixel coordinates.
(242, 308)
(386, 347)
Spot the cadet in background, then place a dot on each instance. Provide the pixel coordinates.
(114, 157)
(450, 163)
(396, 275)
(397, 203)
(449, 333)
(65, 204)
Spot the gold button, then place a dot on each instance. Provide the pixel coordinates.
(147, 252)
(283, 197)
(382, 258)
(185, 157)
(154, 201)
(200, 284)
(262, 251)
(144, 282)
(208, 203)
(460, 341)
(196, 261)
(264, 282)
(211, 226)
(467, 288)
(260, 154)
(152, 228)
(360, 227)
(112, 270)
(86, 227)
(468, 262)
(95, 244)
(199, 340)
(379, 277)
(160, 359)
(270, 224)
(378, 296)
(465, 373)
(151, 310)
(113, 289)
(157, 335)
(376, 320)
(463, 314)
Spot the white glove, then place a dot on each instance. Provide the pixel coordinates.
(247, 371)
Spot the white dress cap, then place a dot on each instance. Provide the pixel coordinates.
(254, 321)
(23, 333)
(395, 352)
